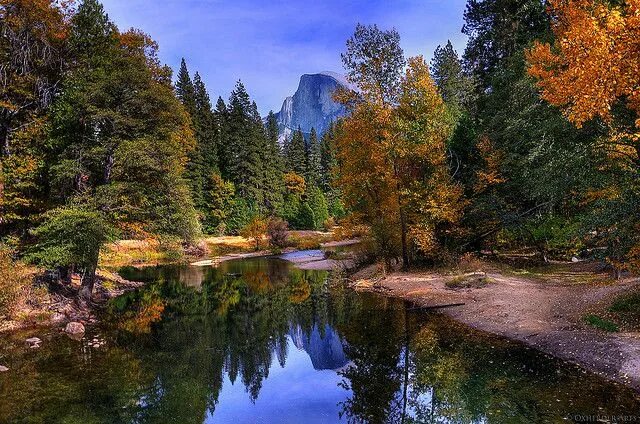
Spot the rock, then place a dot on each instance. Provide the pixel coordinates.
(3, 368)
(312, 105)
(74, 328)
(33, 342)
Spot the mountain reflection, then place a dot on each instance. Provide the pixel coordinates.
(323, 347)
(260, 341)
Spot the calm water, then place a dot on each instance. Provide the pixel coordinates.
(257, 341)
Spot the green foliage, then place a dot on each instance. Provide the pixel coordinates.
(601, 323)
(318, 204)
(305, 219)
(314, 160)
(629, 303)
(70, 236)
(626, 309)
(219, 201)
(291, 208)
(240, 215)
(453, 84)
(295, 154)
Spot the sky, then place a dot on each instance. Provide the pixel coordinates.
(270, 44)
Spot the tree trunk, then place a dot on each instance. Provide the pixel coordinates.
(403, 228)
(403, 222)
(65, 273)
(88, 280)
(108, 167)
(4, 138)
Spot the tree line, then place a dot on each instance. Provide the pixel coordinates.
(528, 141)
(98, 143)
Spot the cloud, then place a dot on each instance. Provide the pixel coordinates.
(270, 44)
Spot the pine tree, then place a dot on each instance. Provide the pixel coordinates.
(454, 86)
(273, 167)
(220, 120)
(185, 89)
(314, 160)
(206, 133)
(296, 154)
(327, 159)
(242, 152)
(195, 175)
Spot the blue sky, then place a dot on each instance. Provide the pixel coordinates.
(269, 44)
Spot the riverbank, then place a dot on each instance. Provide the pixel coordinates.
(545, 311)
(53, 304)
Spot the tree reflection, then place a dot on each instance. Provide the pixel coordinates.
(173, 347)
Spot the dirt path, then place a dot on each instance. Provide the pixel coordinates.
(543, 314)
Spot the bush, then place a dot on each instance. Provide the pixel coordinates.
(254, 230)
(318, 204)
(277, 232)
(329, 223)
(305, 219)
(14, 283)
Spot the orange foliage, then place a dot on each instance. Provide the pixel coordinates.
(594, 63)
(294, 183)
(490, 174)
(139, 322)
(432, 199)
(393, 165)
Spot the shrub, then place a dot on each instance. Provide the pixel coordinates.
(14, 283)
(277, 232)
(329, 223)
(318, 204)
(254, 230)
(305, 219)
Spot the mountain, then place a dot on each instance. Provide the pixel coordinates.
(312, 105)
(325, 348)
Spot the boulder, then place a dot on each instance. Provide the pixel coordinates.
(3, 368)
(74, 328)
(33, 342)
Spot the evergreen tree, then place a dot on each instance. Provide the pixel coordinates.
(195, 173)
(206, 133)
(220, 121)
(185, 89)
(327, 159)
(314, 160)
(296, 154)
(273, 167)
(242, 151)
(453, 85)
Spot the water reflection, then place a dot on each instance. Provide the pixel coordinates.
(259, 341)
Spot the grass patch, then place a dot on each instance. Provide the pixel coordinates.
(468, 282)
(626, 309)
(629, 303)
(601, 323)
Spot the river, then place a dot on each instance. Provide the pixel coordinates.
(260, 341)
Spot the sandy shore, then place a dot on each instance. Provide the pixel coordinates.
(545, 314)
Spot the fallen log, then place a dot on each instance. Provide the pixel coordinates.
(430, 307)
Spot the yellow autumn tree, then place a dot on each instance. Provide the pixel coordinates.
(593, 68)
(391, 149)
(592, 71)
(430, 200)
